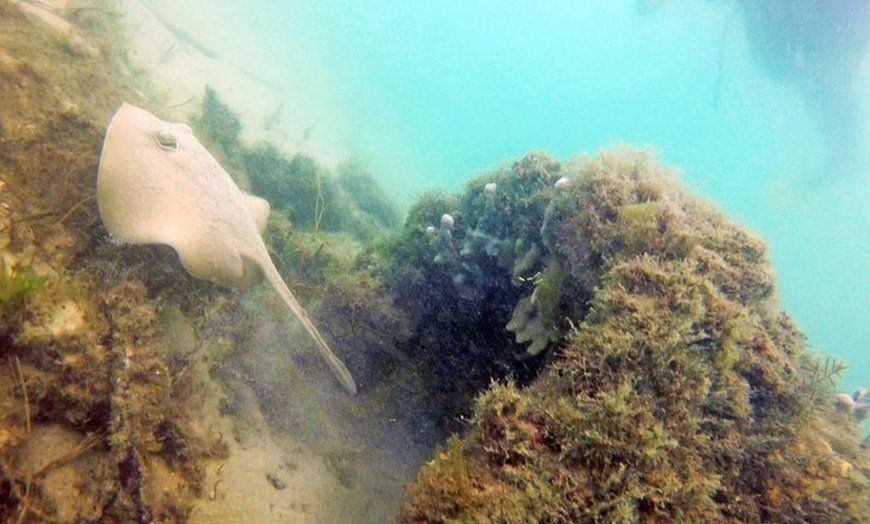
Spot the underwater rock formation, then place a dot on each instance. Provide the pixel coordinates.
(97, 412)
(679, 392)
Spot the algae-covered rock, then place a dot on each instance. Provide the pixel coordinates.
(96, 423)
(363, 321)
(681, 393)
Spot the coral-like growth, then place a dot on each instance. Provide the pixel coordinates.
(682, 394)
(495, 297)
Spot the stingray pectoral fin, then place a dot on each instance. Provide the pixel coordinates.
(259, 209)
(338, 368)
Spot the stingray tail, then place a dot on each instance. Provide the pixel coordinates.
(337, 366)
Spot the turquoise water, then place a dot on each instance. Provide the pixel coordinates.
(430, 93)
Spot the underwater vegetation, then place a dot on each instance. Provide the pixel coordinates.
(674, 389)
(306, 193)
(218, 126)
(298, 188)
(16, 283)
(360, 185)
(478, 259)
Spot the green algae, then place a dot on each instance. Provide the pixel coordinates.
(16, 283)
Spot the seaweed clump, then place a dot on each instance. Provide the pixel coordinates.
(306, 193)
(679, 393)
(218, 125)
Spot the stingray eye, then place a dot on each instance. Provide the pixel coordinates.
(166, 140)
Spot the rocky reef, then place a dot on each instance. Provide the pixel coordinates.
(606, 346)
(675, 389)
(98, 398)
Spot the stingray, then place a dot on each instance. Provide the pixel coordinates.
(158, 185)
